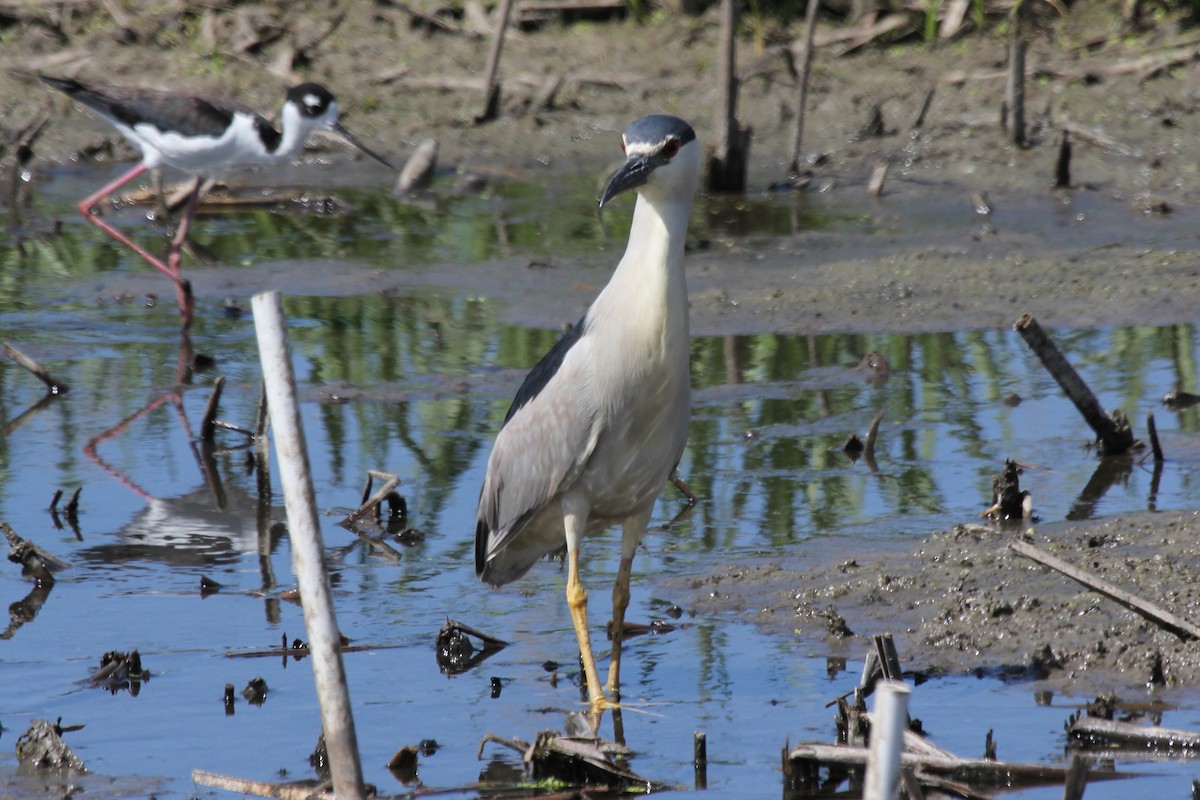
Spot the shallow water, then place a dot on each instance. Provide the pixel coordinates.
(417, 384)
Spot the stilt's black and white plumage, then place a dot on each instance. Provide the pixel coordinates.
(202, 137)
(600, 423)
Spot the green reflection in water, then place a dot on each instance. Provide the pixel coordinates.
(535, 219)
(424, 382)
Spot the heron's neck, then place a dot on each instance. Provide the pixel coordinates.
(648, 290)
(656, 240)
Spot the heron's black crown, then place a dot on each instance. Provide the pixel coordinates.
(656, 129)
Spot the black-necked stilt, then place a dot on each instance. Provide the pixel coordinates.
(203, 137)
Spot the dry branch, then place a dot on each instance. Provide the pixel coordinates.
(390, 482)
(52, 383)
(1113, 437)
(1165, 619)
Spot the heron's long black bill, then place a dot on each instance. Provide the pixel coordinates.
(352, 139)
(632, 174)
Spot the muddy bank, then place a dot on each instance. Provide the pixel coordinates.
(961, 601)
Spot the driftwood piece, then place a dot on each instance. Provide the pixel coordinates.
(1097, 734)
(55, 385)
(878, 177)
(537, 12)
(1143, 67)
(1114, 437)
(952, 18)
(301, 790)
(972, 772)
(851, 39)
(418, 170)
(299, 649)
(1177, 625)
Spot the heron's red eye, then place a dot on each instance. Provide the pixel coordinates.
(670, 148)
(622, 144)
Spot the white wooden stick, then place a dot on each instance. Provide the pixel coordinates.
(887, 739)
(308, 559)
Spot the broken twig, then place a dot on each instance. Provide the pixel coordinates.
(1177, 625)
(55, 385)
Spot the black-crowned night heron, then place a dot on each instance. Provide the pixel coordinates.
(599, 424)
(202, 137)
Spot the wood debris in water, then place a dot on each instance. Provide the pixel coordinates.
(1009, 501)
(54, 385)
(1113, 432)
(36, 563)
(70, 511)
(120, 671)
(456, 650)
(42, 747)
(1130, 739)
(818, 768)
(577, 761)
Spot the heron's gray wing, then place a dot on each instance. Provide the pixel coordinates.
(544, 444)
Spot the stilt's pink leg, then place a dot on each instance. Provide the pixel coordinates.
(182, 288)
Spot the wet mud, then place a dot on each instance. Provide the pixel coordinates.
(962, 601)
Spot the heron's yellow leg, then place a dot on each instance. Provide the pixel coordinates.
(620, 603)
(577, 603)
(631, 533)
